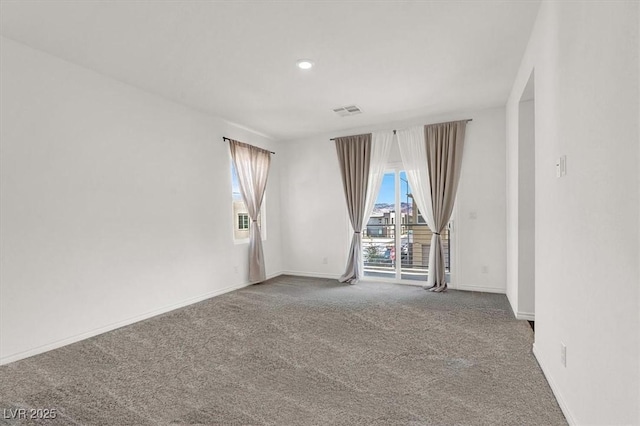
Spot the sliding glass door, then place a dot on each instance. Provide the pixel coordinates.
(396, 239)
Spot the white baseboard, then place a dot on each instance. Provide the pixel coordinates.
(274, 275)
(82, 336)
(394, 281)
(311, 274)
(554, 388)
(526, 316)
(478, 288)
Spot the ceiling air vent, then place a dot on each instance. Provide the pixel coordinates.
(347, 110)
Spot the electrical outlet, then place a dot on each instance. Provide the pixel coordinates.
(485, 269)
(563, 354)
(325, 260)
(235, 269)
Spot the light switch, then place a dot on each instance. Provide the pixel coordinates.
(561, 166)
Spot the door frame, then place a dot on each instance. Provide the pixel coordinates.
(396, 167)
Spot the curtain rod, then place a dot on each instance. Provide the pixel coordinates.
(394, 132)
(224, 138)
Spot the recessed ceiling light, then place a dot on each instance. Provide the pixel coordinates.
(304, 64)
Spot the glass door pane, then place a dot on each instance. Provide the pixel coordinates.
(378, 237)
(415, 238)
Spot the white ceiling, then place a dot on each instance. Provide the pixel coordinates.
(236, 60)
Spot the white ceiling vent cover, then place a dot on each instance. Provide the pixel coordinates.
(347, 110)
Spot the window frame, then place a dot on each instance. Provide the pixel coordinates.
(235, 216)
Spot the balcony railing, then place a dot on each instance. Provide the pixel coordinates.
(380, 257)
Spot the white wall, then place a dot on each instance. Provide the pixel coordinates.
(585, 56)
(116, 204)
(481, 242)
(316, 219)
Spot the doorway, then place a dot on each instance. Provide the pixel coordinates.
(526, 203)
(396, 240)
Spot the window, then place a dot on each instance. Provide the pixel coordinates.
(241, 220)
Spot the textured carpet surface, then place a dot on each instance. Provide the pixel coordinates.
(296, 351)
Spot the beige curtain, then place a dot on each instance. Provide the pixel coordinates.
(444, 144)
(354, 156)
(252, 165)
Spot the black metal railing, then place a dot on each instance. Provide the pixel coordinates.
(379, 252)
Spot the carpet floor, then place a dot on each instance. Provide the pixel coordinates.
(298, 351)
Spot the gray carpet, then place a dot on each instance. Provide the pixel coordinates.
(296, 351)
